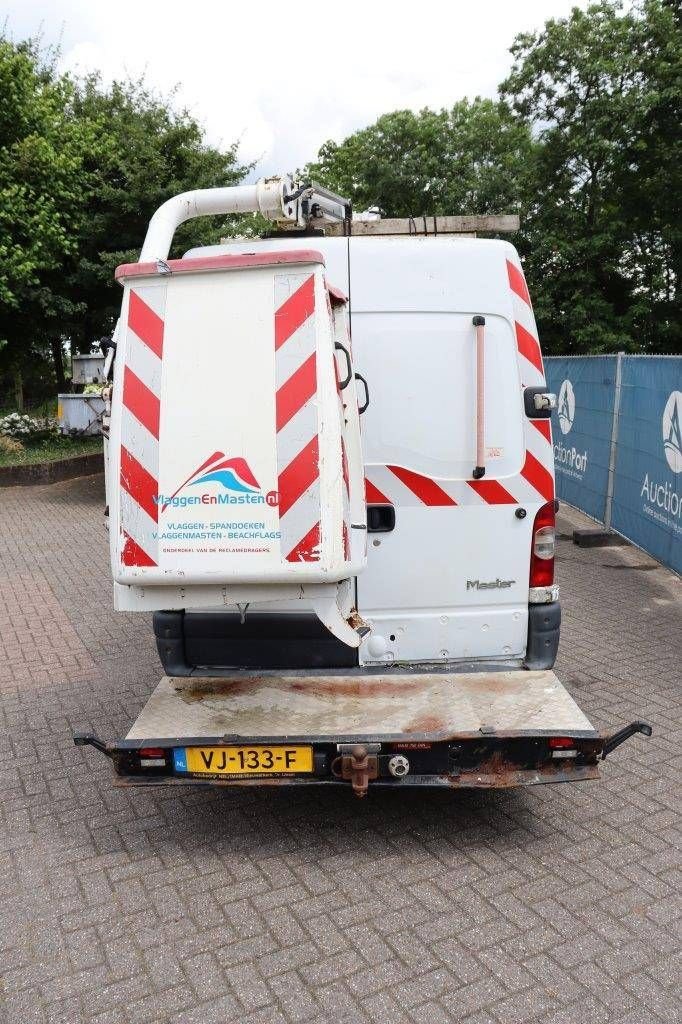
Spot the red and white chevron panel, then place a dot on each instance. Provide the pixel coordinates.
(530, 362)
(340, 325)
(537, 472)
(394, 485)
(296, 417)
(140, 416)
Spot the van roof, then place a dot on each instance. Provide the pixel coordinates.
(404, 274)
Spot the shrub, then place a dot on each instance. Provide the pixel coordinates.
(10, 445)
(28, 429)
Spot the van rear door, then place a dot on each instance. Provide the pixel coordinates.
(449, 580)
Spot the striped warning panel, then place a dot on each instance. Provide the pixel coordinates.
(341, 327)
(527, 343)
(296, 417)
(394, 485)
(537, 474)
(140, 415)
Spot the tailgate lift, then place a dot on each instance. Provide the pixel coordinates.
(402, 728)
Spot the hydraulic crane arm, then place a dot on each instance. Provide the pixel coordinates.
(281, 200)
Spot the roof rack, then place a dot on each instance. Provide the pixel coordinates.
(427, 225)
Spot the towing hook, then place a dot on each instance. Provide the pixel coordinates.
(611, 742)
(357, 765)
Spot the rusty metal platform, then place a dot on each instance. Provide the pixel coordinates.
(435, 705)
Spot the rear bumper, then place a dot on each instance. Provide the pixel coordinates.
(208, 643)
(499, 762)
(511, 777)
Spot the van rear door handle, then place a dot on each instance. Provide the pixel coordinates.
(362, 408)
(380, 518)
(342, 348)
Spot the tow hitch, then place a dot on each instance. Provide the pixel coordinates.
(357, 764)
(611, 742)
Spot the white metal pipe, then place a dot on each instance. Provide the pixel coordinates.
(264, 197)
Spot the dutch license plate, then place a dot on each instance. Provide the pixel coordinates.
(256, 760)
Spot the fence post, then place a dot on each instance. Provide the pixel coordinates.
(614, 442)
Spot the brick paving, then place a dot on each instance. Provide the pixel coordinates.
(557, 904)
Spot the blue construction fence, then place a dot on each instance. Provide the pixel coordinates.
(617, 433)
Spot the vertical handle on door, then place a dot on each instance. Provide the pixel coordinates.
(479, 468)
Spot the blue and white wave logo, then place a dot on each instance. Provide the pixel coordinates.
(566, 406)
(231, 475)
(672, 432)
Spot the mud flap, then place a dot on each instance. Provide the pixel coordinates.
(544, 625)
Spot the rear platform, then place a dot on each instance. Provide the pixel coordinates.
(436, 728)
(400, 728)
(426, 706)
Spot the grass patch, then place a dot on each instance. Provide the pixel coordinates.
(51, 450)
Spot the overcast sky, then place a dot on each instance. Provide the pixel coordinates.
(283, 78)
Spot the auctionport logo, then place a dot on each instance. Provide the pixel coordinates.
(566, 406)
(234, 476)
(672, 433)
(663, 503)
(569, 461)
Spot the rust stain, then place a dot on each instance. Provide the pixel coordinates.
(426, 723)
(329, 687)
(498, 773)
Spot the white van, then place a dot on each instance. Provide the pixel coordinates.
(330, 475)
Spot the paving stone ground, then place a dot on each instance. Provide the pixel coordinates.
(557, 904)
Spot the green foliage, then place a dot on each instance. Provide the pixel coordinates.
(143, 152)
(13, 453)
(468, 159)
(41, 191)
(585, 144)
(82, 169)
(601, 233)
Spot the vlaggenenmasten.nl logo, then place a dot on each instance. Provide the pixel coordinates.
(568, 460)
(234, 476)
(665, 504)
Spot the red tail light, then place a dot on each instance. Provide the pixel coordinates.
(542, 551)
(153, 752)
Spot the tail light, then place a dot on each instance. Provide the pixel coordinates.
(152, 757)
(544, 542)
(561, 743)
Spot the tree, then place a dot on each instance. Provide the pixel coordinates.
(143, 152)
(41, 198)
(468, 159)
(600, 233)
(82, 169)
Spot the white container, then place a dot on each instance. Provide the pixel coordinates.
(87, 369)
(80, 414)
(230, 445)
